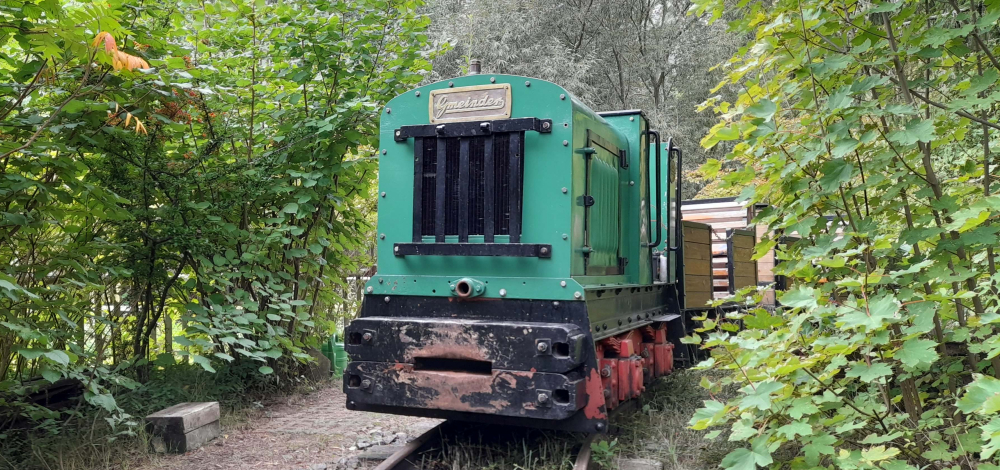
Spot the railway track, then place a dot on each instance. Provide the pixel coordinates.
(426, 451)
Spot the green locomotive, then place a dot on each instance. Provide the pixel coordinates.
(528, 255)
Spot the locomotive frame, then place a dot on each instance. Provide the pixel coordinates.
(531, 260)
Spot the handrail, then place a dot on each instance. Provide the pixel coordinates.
(659, 192)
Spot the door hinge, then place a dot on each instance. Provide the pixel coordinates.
(623, 158)
(586, 200)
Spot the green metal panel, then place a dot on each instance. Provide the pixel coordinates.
(552, 211)
(666, 213)
(603, 224)
(635, 224)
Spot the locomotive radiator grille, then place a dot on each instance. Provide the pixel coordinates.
(468, 186)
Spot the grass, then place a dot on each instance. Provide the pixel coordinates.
(501, 448)
(660, 431)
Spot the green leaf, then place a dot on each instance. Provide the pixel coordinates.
(749, 459)
(291, 208)
(59, 357)
(799, 297)
(713, 412)
(878, 453)
(881, 310)
(51, 375)
(916, 130)
(870, 373)
(104, 400)
(204, 362)
(759, 396)
(918, 353)
(840, 99)
(982, 396)
(710, 168)
(225, 356)
(30, 353)
(265, 370)
(764, 109)
(835, 173)
(818, 445)
(794, 428)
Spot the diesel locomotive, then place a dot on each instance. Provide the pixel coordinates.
(530, 259)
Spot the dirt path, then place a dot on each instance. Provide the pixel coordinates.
(311, 432)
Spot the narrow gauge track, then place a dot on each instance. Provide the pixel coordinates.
(421, 453)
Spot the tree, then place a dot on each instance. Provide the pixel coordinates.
(870, 129)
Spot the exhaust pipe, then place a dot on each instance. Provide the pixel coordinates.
(475, 67)
(467, 287)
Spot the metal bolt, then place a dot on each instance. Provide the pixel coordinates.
(367, 336)
(565, 237)
(503, 292)
(351, 404)
(387, 299)
(542, 347)
(398, 133)
(645, 353)
(629, 318)
(630, 119)
(565, 190)
(544, 250)
(370, 289)
(367, 383)
(380, 280)
(384, 151)
(451, 84)
(396, 249)
(493, 80)
(620, 322)
(562, 283)
(631, 183)
(555, 304)
(565, 143)
(577, 295)
(607, 393)
(527, 83)
(606, 372)
(388, 110)
(418, 93)
(562, 96)
(604, 326)
(546, 125)
(543, 398)
(382, 236)
(383, 193)
(599, 426)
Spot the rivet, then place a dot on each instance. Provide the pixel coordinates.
(599, 426)
(382, 236)
(544, 250)
(503, 292)
(387, 299)
(527, 83)
(565, 143)
(493, 80)
(565, 237)
(562, 283)
(577, 295)
(351, 404)
(380, 280)
(370, 289)
(388, 110)
(631, 183)
(620, 322)
(564, 190)
(397, 133)
(418, 93)
(383, 193)
(604, 325)
(384, 151)
(546, 125)
(451, 84)
(555, 304)
(562, 96)
(630, 119)
(396, 249)
(367, 336)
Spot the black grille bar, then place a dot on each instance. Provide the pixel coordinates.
(418, 186)
(442, 187)
(474, 128)
(489, 183)
(463, 191)
(524, 250)
(515, 187)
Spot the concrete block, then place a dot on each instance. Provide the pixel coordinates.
(184, 427)
(639, 464)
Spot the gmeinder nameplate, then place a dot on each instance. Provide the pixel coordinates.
(471, 103)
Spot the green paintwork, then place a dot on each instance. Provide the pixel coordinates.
(666, 213)
(549, 214)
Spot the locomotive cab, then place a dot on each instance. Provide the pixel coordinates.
(519, 238)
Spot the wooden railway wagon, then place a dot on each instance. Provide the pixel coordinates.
(532, 267)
